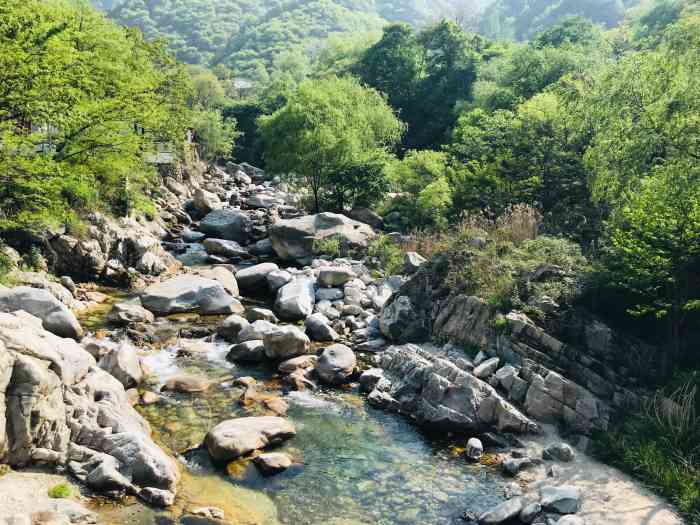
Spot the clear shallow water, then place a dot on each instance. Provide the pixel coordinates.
(354, 465)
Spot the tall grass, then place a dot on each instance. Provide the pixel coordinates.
(661, 445)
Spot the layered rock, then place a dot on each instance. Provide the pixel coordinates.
(435, 392)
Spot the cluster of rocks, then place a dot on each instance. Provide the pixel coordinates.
(60, 408)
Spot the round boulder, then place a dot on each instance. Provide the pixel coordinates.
(336, 364)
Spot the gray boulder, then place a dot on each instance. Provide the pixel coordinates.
(247, 352)
(124, 364)
(530, 512)
(570, 520)
(334, 276)
(257, 314)
(234, 438)
(319, 328)
(230, 249)
(502, 513)
(225, 278)
(231, 327)
(336, 364)
(227, 224)
(559, 452)
(124, 314)
(400, 321)
(285, 342)
(54, 315)
(563, 500)
(272, 462)
(296, 299)
(256, 331)
(188, 293)
(277, 279)
(254, 278)
(293, 239)
(205, 202)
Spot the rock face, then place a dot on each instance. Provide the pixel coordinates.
(187, 293)
(110, 249)
(436, 392)
(400, 322)
(296, 299)
(227, 224)
(234, 438)
(57, 406)
(54, 315)
(293, 239)
(336, 364)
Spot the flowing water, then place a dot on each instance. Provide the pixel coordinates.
(353, 464)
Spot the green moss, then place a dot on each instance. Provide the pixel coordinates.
(60, 491)
(330, 246)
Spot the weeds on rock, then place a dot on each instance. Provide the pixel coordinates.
(388, 253)
(60, 491)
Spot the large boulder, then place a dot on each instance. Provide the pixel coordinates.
(318, 326)
(188, 293)
(399, 321)
(227, 224)
(293, 239)
(296, 299)
(205, 202)
(334, 276)
(285, 342)
(336, 364)
(54, 315)
(565, 499)
(234, 438)
(231, 327)
(256, 331)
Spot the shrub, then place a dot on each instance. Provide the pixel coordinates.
(60, 491)
(330, 246)
(388, 253)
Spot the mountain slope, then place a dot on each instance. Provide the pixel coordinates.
(245, 34)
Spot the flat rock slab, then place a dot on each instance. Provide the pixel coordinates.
(273, 462)
(234, 438)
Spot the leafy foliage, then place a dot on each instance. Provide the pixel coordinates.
(82, 105)
(60, 491)
(324, 128)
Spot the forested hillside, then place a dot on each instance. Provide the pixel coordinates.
(246, 35)
(522, 19)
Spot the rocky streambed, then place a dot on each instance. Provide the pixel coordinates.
(265, 387)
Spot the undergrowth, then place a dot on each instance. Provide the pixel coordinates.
(493, 259)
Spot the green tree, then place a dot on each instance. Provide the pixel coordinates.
(324, 127)
(423, 180)
(83, 103)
